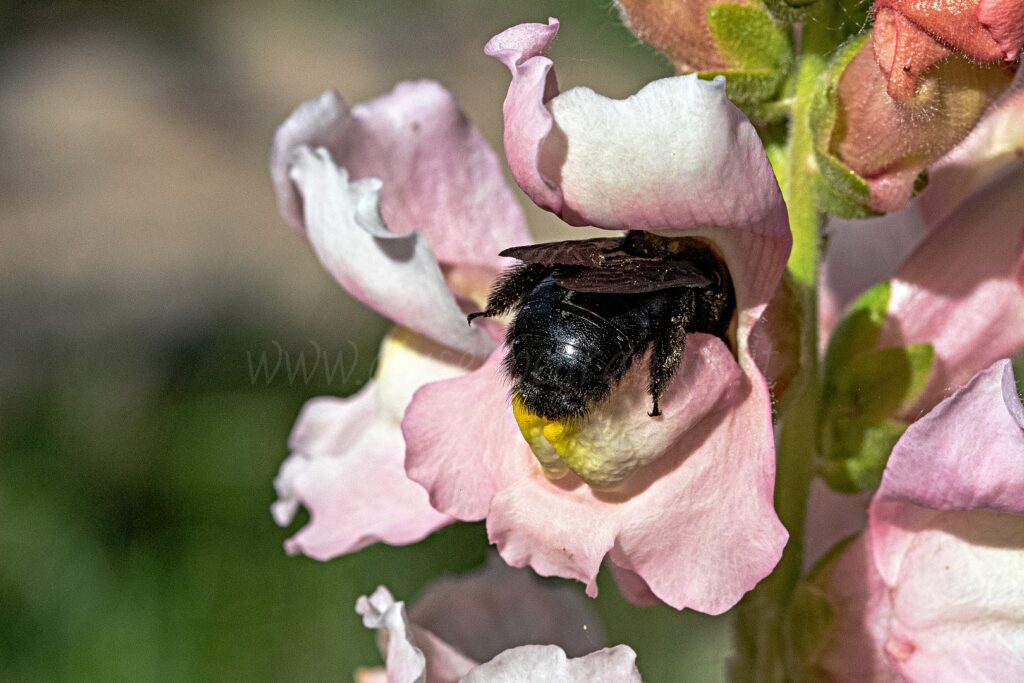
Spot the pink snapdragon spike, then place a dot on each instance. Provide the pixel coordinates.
(378, 190)
(500, 615)
(682, 505)
(934, 590)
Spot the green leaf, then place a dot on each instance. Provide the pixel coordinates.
(864, 390)
(883, 383)
(757, 47)
(858, 452)
(840, 190)
(810, 615)
(858, 330)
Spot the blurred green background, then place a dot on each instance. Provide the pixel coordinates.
(144, 270)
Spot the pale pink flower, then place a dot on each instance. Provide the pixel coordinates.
(414, 235)
(498, 624)
(690, 521)
(934, 590)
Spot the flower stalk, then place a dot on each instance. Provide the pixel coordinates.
(765, 647)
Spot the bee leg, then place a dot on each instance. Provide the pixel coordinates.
(667, 348)
(510, 288)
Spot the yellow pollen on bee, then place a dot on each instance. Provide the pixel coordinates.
(533, 429)
(559, 447)
(553, 431)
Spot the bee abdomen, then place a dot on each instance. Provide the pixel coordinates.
(566, 350)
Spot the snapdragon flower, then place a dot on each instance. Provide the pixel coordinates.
(934, 590)
(681, 505)
(415, 237)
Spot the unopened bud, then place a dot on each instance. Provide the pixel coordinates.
(736, 38)
(909, 37)
(888, 139)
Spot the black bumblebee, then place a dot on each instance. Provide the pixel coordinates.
(586, 309)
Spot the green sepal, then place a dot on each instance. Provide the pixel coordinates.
(864, 390)
(756, 46)
(840, 190)
(859, 329)
(863, 447)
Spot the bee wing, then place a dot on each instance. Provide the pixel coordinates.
(591, 253)
(632, 275)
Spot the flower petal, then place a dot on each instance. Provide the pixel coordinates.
(496, 608)
(412, 654)
(634, 588)
(966, 454)
(946, 521)
(862, 609)
(862, 253)
(969, 270)
(1004, 19)
(357, 493)
(395, 275)
(440, 176)
(680, 524)
(548, 663)
(347, 459)
(405, 662)
(831, 517)
(527, 121)
(462, 443)
(656, 160)
(935, 585)
(958, 601)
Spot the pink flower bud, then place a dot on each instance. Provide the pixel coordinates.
(891, 127)
(678, 29)
(910, 36)
(982, 30)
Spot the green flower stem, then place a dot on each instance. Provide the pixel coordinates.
(766, 649)
(798, 436)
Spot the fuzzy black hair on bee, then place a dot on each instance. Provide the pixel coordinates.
(585, 310)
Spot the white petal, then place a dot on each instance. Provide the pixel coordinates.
(395, 275)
